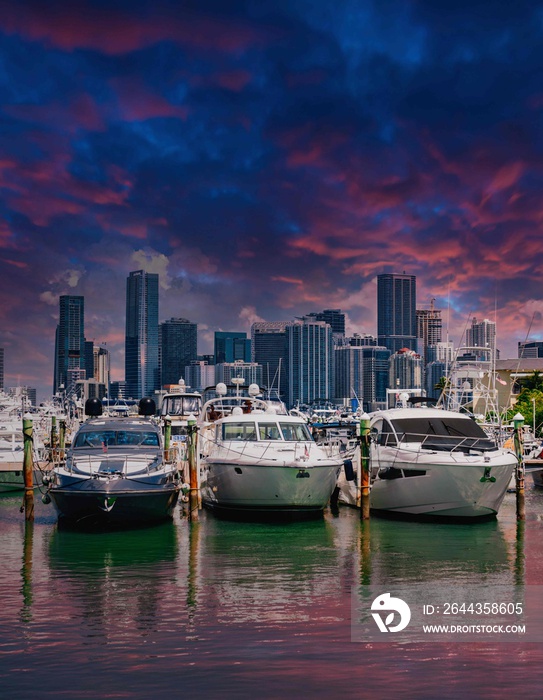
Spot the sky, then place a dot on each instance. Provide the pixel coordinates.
(268, 159)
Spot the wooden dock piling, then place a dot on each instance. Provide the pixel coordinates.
(194, 499)
(520, 471)
(364, 466)
(28, 467)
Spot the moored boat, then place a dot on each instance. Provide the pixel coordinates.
(116, 471)
(432, 462)
(256, 461)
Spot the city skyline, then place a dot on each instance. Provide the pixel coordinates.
(267, 161)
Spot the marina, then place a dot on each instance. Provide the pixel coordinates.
(234, 609)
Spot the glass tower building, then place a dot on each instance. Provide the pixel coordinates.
(141, 340)
(178, 343)
(231, 346)
(396, 311)
(69, 342)
(310, 369)
(269, 349)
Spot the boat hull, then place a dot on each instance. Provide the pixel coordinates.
(450, 490)
(117, 501)
(267, 489)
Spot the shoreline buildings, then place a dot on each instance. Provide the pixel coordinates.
(304, 360)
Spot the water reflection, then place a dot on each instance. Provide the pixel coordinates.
(114, 579)
(418, 552)
(265, 573)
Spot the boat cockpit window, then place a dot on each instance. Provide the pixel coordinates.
(441, 429)
(181, 405)
(268, 431)
(117, 438)
(239, 431)
(293, 432)
(387, 435)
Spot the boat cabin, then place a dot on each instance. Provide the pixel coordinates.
(265, 428)
(445, 432)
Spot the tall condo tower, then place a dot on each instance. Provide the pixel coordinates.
(178, 346)
(1, 369)
(141, 340)
(482, 334)
(429, 327)
(69, 342)
(269, 349)
(231, 346)
(310, 369)
(396, 311)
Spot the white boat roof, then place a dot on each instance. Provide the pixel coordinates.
(119, 423)
(418, 412)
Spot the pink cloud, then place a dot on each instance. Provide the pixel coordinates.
(137, 103)
(80, 25)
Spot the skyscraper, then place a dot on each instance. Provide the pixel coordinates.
(231, 346)
(178, 344)
(141, 340)
(333, 317)
(1, 369)
(361, 373)
(310, 369)
(429, 328)
(396, 311)
(405, 370)
(69, 342)
(482, 334)
(269, 349)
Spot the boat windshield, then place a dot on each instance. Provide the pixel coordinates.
(453, 429)
(266, 430)
(181, 405)
(295, 432)
(116, 438)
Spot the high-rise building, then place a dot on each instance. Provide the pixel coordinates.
(231, 346)
(178, 344)
(310, 366)
(405, 370)
(141, 341)
(396, 311)
(269, 349)
(482, 334)
(436, 372)
(361, 373)
(89, 359)
(440, 352)
(527, 349)
(251, 372)
(1, 369)
(101, 365)
(69, 342)
(333, 317)
(429, 328)
(199, 375)
(362, 340)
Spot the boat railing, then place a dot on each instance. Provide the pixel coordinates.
(280, 450)
(113, 464)
(444, 443)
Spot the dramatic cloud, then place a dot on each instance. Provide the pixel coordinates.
(267, 160)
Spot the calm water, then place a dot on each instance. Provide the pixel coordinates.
(219, 609)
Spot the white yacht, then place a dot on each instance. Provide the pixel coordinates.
(255, 460)
(12, 446)
(432, 462)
